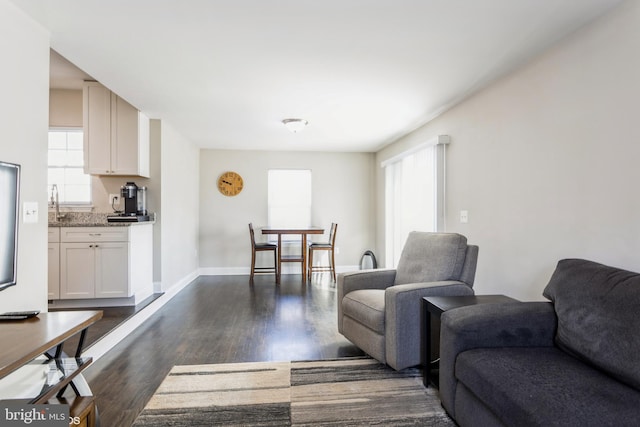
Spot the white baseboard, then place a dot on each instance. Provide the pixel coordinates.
(347, 268)
(141, 296)
(223, 271)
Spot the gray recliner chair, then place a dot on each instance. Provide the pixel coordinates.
(379, 310)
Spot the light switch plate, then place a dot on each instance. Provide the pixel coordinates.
(30, 212)
(464, 217)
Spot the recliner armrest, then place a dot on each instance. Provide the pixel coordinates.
(366, 279)
(362, 279)
(403, 306)
(513, 324)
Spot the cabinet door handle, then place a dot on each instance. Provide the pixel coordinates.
(96, 246)
(90, 246)
(95, 234)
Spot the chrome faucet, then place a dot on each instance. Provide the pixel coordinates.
(54, 202)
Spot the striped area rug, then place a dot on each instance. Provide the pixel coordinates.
(342, 392)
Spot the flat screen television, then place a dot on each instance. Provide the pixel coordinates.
(9, 208)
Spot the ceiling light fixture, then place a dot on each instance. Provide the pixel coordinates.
(295, 125)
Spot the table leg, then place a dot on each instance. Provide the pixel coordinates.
(83, 335)
(279, 272)
(304, 258)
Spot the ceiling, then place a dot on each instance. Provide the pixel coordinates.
(225, 73)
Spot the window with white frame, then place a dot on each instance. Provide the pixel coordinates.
(414, 194)
(289, 197)
(66, 162)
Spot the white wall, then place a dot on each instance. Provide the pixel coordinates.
(154, 195)
(546, 160)
(24, 105)
(342, 192)
(178, 217)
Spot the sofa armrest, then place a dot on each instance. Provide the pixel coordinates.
(512, 324)
(361, 279)
(403, 329)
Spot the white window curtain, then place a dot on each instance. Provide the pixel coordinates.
(414, 194)
(289, 197)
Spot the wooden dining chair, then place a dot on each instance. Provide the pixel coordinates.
(260, 247)
(326, 246)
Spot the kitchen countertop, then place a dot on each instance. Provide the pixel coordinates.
(97, 224)
(89, 219)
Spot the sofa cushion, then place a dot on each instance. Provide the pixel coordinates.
(431, 257)
(543, 386)
(367, 307)
(598, 321)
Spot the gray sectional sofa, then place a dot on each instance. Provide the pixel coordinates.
(573, 361)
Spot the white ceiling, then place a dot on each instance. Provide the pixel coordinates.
(225, 73)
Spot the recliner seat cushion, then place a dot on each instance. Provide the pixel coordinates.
(445, 253)
(366, 306)
(598, 320)
(542, 386)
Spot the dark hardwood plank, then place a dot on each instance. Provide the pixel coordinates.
(111, 318)
(218, 319)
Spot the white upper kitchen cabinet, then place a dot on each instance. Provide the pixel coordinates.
(116, 134)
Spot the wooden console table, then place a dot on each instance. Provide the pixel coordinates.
(44, 335)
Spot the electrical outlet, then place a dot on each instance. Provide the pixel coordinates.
(114, 200)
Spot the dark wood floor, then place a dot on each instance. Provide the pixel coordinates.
(111, 318)
(218, 319)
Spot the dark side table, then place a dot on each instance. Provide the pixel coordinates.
(432, 309)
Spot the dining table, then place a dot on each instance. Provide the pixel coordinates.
(302, 231)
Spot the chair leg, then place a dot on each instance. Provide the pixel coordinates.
(333, 265)
(253, 265)
(276, 266)
(275, 261)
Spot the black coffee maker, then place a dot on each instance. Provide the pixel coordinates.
(135, 204)
(129, 193)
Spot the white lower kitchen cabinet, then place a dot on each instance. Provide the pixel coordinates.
(106, 262)
(112, 270)
(54, 263)
(94, 270)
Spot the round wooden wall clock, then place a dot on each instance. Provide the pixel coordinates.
(230, 183)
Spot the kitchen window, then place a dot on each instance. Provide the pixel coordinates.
(66, 167)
